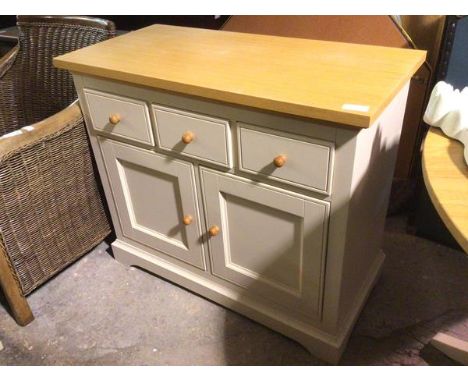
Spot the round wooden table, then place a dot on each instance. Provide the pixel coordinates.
(445, 175)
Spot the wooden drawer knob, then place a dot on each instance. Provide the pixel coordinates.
(187, 137)
(114, 119)
(214, 230)
(280, 160)
(187, 219)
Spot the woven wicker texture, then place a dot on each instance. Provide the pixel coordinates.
(33, 89)
(51, 208)
(8, 260)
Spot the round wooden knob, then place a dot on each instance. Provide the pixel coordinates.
(187, 219)
(187, 137)
(280, 160)
(114, 119)
(214, 230)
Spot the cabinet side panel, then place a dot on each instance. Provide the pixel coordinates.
(376, 151)
(345, 149)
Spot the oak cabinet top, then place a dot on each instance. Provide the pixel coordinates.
(349, 84)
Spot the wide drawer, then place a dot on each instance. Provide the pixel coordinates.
(193, 135)
(120, 116)
(296, 160)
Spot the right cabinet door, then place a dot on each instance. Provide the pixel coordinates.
(270, 242)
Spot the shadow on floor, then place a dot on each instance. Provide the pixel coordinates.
(99, 312)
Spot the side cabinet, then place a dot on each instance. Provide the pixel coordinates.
(156, 200)
(259, 181)
(277, 218)
(269, 242)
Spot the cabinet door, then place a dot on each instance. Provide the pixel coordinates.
(155, 196)
(271, 242)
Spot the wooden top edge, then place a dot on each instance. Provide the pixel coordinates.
(90, 64)
(354, 120)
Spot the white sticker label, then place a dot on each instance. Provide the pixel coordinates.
(353, 107)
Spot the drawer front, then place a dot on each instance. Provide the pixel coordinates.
(299, 161)
(193, 135)
(119, 116)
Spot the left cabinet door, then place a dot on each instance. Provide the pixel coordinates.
(155, 197)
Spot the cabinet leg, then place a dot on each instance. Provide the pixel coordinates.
(121, 256)
(324, 351)
(11, 289)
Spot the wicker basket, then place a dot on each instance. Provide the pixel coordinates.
(51, 207)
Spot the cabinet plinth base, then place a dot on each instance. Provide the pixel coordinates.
(319, 343)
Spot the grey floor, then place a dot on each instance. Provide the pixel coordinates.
(98, 312)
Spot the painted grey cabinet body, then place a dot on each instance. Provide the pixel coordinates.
(298, 245)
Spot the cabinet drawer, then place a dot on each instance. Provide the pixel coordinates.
(119, 116)
(193, 135)
(299, 161)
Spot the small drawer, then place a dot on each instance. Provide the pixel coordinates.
(296, 160)
(193, 135)
(120, 116)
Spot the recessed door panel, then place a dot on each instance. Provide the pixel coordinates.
(271, 243)
(153, 216)
(154, 194)
(242, 219)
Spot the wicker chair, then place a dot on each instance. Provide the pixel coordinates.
(51, 211)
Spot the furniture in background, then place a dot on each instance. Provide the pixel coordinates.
(8, 39)
(452, 66)
(454, 56)
(426, 31)
(373, 30)
(254, 170)
(9, 31)
(51, 208)
(446, 177)
(130, 23)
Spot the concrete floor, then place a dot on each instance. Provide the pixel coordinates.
(98, 312)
